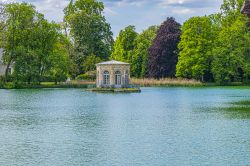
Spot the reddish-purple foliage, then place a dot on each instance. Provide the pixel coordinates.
(163, 54)
(246, 8)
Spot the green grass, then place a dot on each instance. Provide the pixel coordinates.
(242, 103)
(238, 109)
(44, 85)
(166, 82)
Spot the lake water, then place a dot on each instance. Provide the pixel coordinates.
(160, 126)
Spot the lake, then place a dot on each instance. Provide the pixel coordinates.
(160, 126)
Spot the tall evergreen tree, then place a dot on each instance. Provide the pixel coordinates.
(163, 52)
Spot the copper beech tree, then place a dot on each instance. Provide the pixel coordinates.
(163, 54)
(246, 8)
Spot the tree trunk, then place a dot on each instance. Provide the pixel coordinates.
(11, 56)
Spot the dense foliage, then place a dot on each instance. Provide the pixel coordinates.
(195, 49)
(216, 47)
(207, 48)
(140, 53)
(124, 44)
(89, 31)
(163, 52)
(232, 52)
(133, 48)
(33, 45)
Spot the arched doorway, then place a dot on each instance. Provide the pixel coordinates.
(126, 77)
(106, 78)
(118, 78)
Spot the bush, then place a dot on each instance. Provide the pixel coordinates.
(1, 81)
(91, 75)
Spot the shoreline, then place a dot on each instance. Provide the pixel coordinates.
(89, 85)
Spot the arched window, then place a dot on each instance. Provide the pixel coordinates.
(106, 78)
(126, 77)
(118, 78)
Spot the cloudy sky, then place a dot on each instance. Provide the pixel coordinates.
(141, 13)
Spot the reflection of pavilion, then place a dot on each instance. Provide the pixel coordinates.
(113, 74)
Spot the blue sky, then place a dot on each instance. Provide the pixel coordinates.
(141, 13)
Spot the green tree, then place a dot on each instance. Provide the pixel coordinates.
(90, 61)
(195, 49)
(229, 55)
(19, 19)
(140, 54)
(2, 25)
(33, 45)
(40, 44)
(231, 51)
(124, 44)
(59, 63)
(90, 32)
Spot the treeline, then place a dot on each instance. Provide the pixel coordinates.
(214, 48)
(40, 50)
(35, 47)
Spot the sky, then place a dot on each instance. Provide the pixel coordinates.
(140, 13)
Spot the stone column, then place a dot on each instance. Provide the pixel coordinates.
(101, 77)
(97, 77)
(123, 76)
(112, 76)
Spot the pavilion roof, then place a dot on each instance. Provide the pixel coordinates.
(113, 62)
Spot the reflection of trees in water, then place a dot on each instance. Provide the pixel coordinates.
(237, 110)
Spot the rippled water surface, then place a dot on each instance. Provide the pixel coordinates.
(160, 126)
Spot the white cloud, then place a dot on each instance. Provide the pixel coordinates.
(181, 11)
(52, 9)
(123, 3)
(109, 11)
(172, 2)
(190, 3)
(141, 13)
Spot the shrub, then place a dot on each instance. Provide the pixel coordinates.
(91, 75)
(1, 81)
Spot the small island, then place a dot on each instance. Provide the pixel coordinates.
(114, 76)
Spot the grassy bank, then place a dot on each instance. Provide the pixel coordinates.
(73, 84)
(165, 82)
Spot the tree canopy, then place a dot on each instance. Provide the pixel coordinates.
(140, 53)
(124, 44)
(207, 48)
(163, 51)
(195, 48)
(89, 31)
(33, 44)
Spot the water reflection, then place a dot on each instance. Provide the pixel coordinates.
(237, 109)
(160, 126)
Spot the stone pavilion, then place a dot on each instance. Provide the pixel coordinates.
(112, 74)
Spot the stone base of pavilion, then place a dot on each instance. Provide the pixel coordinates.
(107, 89)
